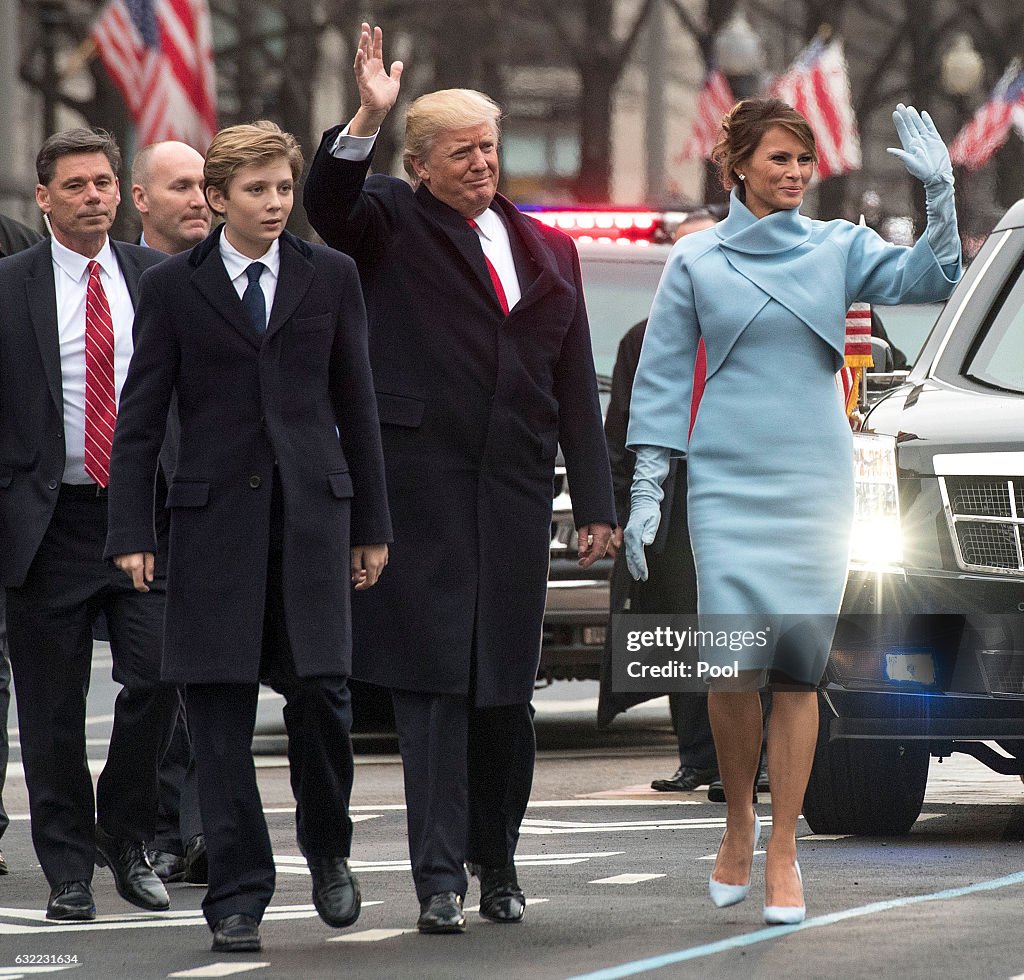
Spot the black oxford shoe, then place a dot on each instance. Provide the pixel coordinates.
(71, 901)
(237, 933)
(335, 891)
(685, 779)
(134, 878)
(441, 913)
(3, 864)
(501, 898)
(716, 793)
(168, 867)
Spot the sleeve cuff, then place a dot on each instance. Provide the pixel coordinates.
(356, 148)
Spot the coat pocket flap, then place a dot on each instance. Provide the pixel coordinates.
(400, 410)
(190, 493)
(341, 484)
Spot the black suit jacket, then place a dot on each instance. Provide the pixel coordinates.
(32, 454)
(294, 404)
(473, 405)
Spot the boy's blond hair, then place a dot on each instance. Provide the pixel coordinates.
(247, 145)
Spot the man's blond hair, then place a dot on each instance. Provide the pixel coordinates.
(247, 145)
(438, 112)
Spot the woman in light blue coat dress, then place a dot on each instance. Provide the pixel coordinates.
(770, 460)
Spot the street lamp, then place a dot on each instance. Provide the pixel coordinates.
(961, 72)
(739, 55)
(962, 68)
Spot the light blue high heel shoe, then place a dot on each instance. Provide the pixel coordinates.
(786, 915)
(724, 895)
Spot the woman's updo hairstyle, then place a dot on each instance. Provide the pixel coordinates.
(743, 128)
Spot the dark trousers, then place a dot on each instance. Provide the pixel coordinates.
(177, 818)
(468, 774)
(5, 708)
(222, 719)
(49, 626)
(693, 729)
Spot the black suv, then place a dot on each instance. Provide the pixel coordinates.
(937, 550)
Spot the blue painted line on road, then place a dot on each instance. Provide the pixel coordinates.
(775, 932)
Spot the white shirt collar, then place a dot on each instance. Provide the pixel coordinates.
(236, 263)
(74, 264)
(488, 224)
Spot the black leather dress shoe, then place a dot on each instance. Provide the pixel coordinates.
(237, 933)
(3, 864)
(135, 880)
(441, 913)
(762, 785)
(71, 901)
(685, 779)
(168, 867)
(197, 871)
(501, 898)
(335, 891)
(716, 792)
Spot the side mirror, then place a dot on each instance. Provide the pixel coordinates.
(881, 354)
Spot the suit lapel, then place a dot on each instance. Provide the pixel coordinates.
(535, 264)
(41, 296)
(211, 279)
(465, 240)
(294, 280)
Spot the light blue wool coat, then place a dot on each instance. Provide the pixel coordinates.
(770, 463)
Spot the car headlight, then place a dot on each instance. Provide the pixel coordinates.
(877, 543)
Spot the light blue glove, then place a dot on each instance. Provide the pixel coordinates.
(652, 464)
(925, 156)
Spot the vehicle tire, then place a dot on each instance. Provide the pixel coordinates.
(864, 787)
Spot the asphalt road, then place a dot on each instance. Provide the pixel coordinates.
(615, 877)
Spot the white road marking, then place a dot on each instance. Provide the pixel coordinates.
(141, 920)
(711, 857)
(370, 936)
(627, 879)
(14, 972)
(220, 970)
(530, 902)
(290, 864)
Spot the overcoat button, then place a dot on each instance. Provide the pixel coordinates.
(52, 484)
(254, 482)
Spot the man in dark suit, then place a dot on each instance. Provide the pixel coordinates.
(482, 365)
(277, 503)
(14, 236)
(65, 342)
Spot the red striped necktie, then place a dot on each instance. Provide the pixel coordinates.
(100, 400)
(495, 281)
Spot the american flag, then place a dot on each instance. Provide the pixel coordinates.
(988, 128)
(817, 85)
(160, 55)
(857, 352)
(714, 100)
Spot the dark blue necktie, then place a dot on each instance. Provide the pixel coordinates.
(253, 299)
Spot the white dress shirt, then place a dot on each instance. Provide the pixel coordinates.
(489, 226)
(71, 280)
(236, 263)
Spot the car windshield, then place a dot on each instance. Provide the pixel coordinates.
(907, 327)
(619, 288)
(998, 360)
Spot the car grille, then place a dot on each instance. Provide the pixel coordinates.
(1003, 672)
(986, 520)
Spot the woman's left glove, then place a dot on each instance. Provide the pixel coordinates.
(924, 154)
(926, 158)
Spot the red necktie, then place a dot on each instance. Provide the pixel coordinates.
(495, 281)
(100, 402)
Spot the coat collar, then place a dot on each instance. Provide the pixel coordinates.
(211, 279)
(781, 231)
(467, 243)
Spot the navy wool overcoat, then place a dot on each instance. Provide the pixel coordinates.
(473, 405)
(298, 398)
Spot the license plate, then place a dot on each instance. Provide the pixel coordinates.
(913, 668)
